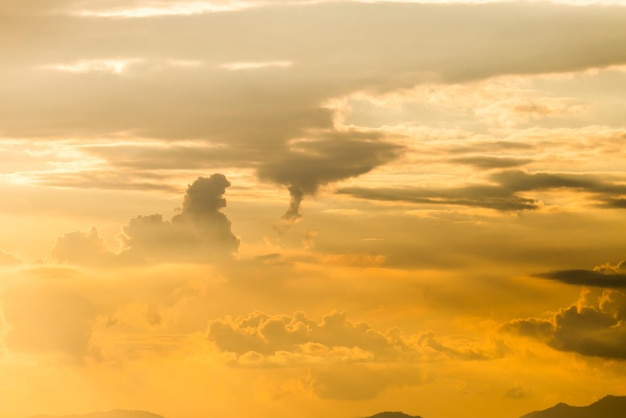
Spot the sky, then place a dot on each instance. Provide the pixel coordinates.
(311, 208)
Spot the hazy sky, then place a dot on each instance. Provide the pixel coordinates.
(311, 208)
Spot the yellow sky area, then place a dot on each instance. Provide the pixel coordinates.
(255, 209)
(153, 343)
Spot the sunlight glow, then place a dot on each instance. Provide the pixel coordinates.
(180, 9)
(114, 66)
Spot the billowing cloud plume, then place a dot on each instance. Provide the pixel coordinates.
(595, 328)
(313, 163)
(200, 233)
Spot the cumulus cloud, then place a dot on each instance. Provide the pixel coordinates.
(81, 248)
(201, 232)
(263, 340)
(292, 339)
(345, 360)
(507, 194)
(591, 328)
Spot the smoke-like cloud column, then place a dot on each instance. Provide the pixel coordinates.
(293, 211)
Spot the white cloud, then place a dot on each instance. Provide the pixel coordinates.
(168, 9)
(114, 66)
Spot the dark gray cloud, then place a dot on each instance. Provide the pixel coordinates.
(586, 278)
(592, 329)
(504, 195)
(615, 203)
(492, 197)
(311, 164)
(293, 211)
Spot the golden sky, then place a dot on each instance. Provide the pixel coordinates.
(311, 208)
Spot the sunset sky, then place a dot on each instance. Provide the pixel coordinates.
(307, 209)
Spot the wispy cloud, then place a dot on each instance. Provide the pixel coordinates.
(237, 66)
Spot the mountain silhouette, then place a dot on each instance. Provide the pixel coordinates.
(392, 415)
(607, 407)
(116, 413)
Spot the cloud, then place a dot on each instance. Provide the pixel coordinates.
(269, 341)
(81, 248)
(461, 350)
(605, 275)
(488, 162)
(256, 118)
(293, 211)
(313, 163)
(586, 278)
(200, 233)
(592, 329)
(505, 195)
(296, 339)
